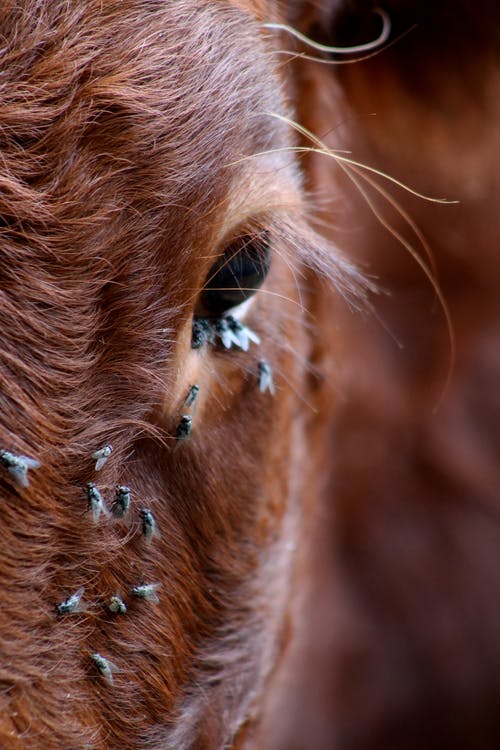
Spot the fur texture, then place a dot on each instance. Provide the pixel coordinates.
(137, 140)
(130, 136)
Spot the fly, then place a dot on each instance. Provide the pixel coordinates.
(18, 466)
(266, 382)
(242, 334)
(192, 395)
(72, 603)
(149, 528)
(121, 505)
(146, 591)
(106, 668)
(117, 605)
(102, 455)
(203, 333)
(95, 502)
(184, 427)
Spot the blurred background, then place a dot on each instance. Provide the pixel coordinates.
(399, 643)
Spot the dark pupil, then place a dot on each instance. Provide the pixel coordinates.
(237, 274)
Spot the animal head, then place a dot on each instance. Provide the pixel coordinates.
(178, 361)
(149, 188)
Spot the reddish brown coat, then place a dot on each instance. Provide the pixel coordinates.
(137, 140)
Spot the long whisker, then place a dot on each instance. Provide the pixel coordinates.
(381, 39)
(428, 273)
(325, 151)
(296, 272)
(349, 166)
(337, 157)
(293, 55)
(404, 215)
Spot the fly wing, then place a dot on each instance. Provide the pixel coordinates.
(100, 462)
(20, 470)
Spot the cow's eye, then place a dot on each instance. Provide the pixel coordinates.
(237, 274)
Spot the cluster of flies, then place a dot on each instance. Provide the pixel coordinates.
(116, 604)
(230, 333)
(122, 501)
(120, 508)
(19, 466)
(227, 330)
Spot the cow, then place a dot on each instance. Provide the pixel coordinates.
(247, 433)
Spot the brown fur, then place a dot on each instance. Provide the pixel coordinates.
(131, 141)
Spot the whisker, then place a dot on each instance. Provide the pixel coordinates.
(296, 272)
(385, 327)
(350, 166)
(380, 47)
(381, 39)
(337, 157)
(323, 149)
(404, 215)
(428, 273)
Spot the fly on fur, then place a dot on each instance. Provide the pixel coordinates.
(203, 333)
(72, 604)
(121, 505)
(266, 381)
(230, 331)
(146, 591)
(95, 502)
(117, 605)
(149, 528)
(102, 455)
(192, 395)
(225, 333)
(105, 667)
(184, 428)
(18, 466)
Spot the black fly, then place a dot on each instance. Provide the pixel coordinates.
(184, 427)
(95, 501)
(149, 528)
(121, 505)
